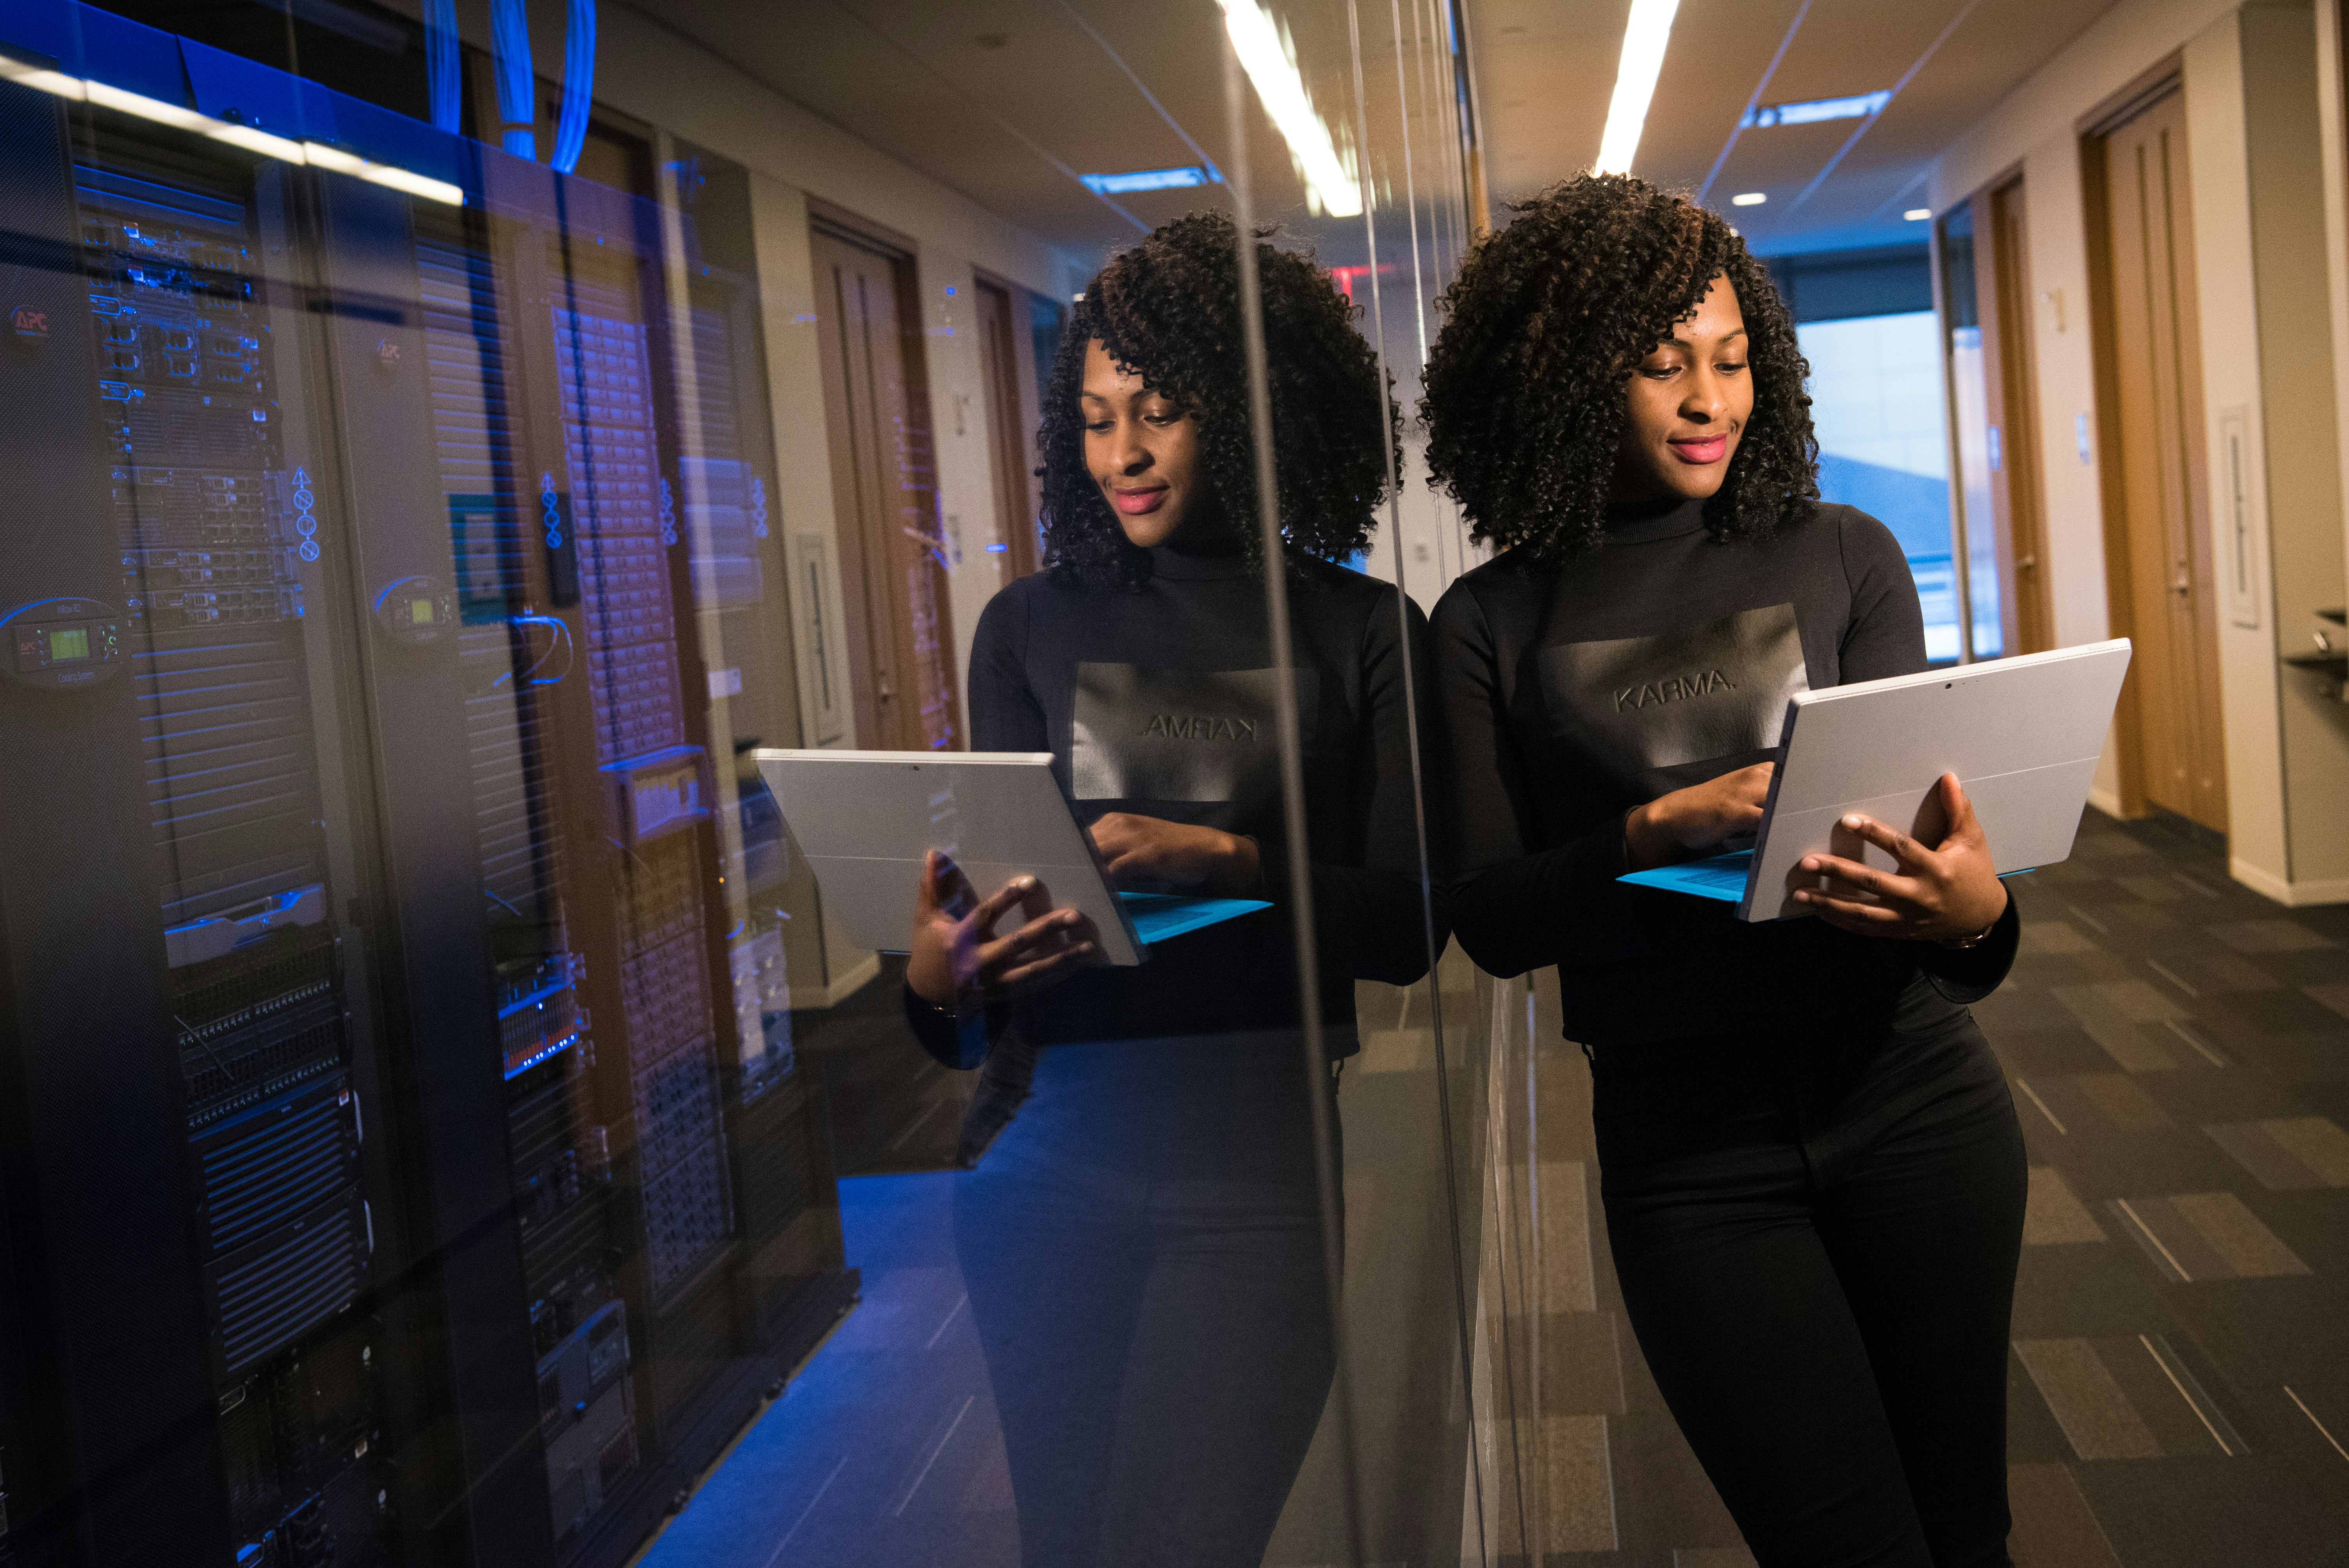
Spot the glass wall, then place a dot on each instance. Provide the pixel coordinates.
(405, 1123)
(463, 1075)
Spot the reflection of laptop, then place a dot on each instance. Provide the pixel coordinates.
(2023, 734)
(865, 820)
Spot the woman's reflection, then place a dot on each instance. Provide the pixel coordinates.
(1142, 1245)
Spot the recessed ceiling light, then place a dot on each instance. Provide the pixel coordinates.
(1750, 198)
(1143, 180)
(1917, 214)
(1811, 113)
(1649, 29)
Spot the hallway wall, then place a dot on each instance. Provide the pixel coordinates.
(2266, 277)
(667, 80)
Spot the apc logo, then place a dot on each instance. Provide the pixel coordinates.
(29, 321)
(1651, 693)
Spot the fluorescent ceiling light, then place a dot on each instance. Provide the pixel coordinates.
(1815, 110)
(28, 75)
(323, 157)
(259, 142)
(1270, 62)
(244, 136)
(1143, 180)
(415, 184)
(1644, 37)
(162, 113)
(319, 155)
(1750, 198)
(1917, 214)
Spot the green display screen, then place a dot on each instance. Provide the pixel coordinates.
(420, 612)
(68, 642)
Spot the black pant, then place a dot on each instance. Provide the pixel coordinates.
(1143, 1250)
(1817, 1239)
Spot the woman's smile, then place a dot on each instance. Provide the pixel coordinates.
(1140, 502)
(1699, 450)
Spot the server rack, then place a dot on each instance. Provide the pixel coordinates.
(429, 1202)
(176, 689)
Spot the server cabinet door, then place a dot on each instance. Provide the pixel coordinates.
(492, 1487)
(126, 1463)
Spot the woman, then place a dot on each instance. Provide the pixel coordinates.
(1143, 1244)
(1812, 1172)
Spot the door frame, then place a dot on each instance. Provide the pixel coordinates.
(1012, 453)
(2025, 608)
(871, 722)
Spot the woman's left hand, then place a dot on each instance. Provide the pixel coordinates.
(1947, 894)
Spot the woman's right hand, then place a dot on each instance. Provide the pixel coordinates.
(1697, 817)
(955, 954)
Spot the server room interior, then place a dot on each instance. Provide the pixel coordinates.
(442, 1125)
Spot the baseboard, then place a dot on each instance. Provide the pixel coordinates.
(857, 976)
(2107, 802)
(2292, 894)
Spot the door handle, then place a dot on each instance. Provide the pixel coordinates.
(2028, 563)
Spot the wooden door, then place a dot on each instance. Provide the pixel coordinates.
(885, 495)
(1008, 446)
(2163, 578)
(2026, 618)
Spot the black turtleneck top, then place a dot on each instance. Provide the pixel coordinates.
(1659, 659)
(1161, 702)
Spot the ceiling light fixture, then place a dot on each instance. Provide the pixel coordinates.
(1146, 180)
(244, 136)
(1749, 199)
(1917, 214)
(1270, 62)
(1856, 107)
(1644, 37)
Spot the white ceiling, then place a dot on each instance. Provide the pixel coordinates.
(1006, 100)
(1546, 71)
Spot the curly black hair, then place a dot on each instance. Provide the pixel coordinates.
(1168, 311)
(1526, 386)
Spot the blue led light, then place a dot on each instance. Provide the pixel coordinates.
(1815, 110)
(550, 510)
(556, 1049)
(306, 497)
(1144, 180)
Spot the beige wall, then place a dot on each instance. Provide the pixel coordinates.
(2306, 739)
(2268, 272)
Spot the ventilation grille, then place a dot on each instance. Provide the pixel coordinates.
(274, 1291)
(261, 1170)
(492, 519)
